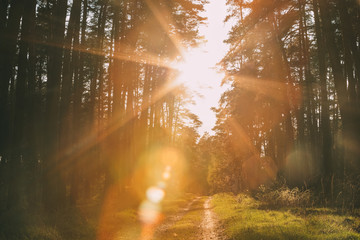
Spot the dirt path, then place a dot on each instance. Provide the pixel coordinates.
(210, 227)
(195, 221)
(206, 227)
(176, 217)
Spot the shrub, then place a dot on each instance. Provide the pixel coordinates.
(347, 193)
(284, 197)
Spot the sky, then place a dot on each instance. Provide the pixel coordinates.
(198, 69)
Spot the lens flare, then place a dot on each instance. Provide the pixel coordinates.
(149, 212)
(166, 175)
(150, 209)
(161, 184)
(155, 194)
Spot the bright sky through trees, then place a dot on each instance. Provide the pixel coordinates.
(198, 69)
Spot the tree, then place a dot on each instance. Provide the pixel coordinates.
(292, 92)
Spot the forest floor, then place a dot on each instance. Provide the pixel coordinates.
(189, 217)
(244, 217)
(190, 220)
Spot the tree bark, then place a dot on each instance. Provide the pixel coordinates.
(54, 187)
(349, 116)
(8, 43)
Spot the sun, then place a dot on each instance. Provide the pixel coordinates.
(196, 71)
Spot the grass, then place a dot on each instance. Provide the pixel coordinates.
(90, 220)
(131, 228)
(242, 216)
(245, 218)
(28, 225)
(182, 228)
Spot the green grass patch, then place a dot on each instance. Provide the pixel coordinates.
(245, 218)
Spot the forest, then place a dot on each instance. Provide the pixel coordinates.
(97, 139)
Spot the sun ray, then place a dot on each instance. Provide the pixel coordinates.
(163, 17)
(100, 135)
(132, 54)
(274, 89)
(251, 29)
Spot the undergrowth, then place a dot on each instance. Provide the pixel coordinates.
(284, 197)
(245, 217)
(30, 225)
(89, 221)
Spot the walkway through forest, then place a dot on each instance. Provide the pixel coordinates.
(210, 227)
(195, 221)
(200, 219)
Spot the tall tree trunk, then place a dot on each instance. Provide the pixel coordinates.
(70, 57)
(349, 116)
(280, 55)
(327, 160)
(54, 187)
(79, 56)
(350, 43)
(114, 147)
(3, 15)
(8, 42)
(33, 112)
(17, 129)
(327, 165)
(309, 97)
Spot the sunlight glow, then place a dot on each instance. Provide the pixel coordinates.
(166, 175)
(197, 70)
(149, 212)
(161, 185)
(168, 168)
(155, 194)
(198, 74)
